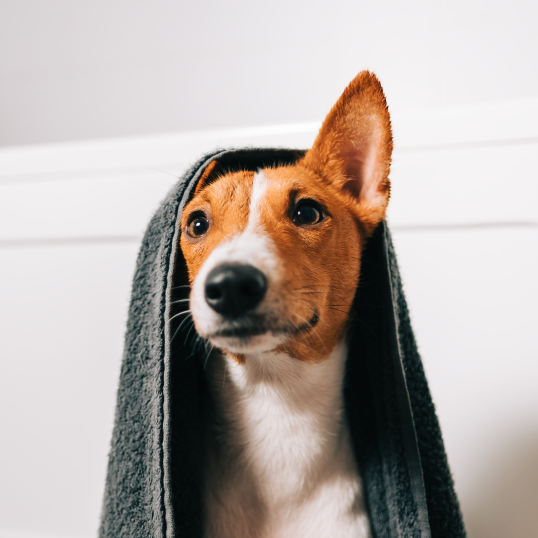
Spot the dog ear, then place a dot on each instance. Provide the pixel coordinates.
(211, 173)
(354, 146)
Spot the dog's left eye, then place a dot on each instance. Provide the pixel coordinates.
(307, 212)
(198, 226)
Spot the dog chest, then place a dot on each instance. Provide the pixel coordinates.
(279, 460)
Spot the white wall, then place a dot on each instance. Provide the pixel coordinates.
(71, 69)
(465, 226)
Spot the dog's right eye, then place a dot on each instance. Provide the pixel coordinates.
(307, 212)
(198, 226)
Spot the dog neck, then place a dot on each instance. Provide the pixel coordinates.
(277, 422)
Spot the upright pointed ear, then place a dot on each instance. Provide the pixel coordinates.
(353, 149)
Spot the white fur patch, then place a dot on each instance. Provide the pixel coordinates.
(279, 459)
(252, 246)
(259, 188)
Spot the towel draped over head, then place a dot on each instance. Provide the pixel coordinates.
(154, 482)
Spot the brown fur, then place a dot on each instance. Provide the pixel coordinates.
(357, 129)
(346, 172)
(226, 205)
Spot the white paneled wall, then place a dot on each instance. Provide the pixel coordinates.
(465, 222)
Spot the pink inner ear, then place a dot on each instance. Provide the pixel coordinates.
(359, 167)
(354, 172)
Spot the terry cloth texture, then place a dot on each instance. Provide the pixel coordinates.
(153, 486)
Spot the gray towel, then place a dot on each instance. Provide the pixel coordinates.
(153, 486)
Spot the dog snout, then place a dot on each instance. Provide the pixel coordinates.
(232, 289)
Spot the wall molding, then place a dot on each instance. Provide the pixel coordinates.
(504, 122)
(451, 170)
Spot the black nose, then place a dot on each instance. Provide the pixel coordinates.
(232, 289)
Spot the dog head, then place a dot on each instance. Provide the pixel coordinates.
(274, 256)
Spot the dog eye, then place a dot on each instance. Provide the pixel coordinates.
(307, 212)
(198, 226)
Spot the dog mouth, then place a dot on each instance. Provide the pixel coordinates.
(253, 326)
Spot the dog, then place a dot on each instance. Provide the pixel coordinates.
(273, 258)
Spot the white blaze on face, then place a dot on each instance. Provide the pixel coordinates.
(259, 189)
(254, 247)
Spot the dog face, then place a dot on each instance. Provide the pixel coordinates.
(274, 256)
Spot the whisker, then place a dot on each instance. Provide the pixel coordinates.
(188, 334)
(193, 346)
(198, 344)
(225, 369)
(180, 325)
(307, 288)
(338, 310)
(321, 292)
(349, 304)
(296, 178)
(312, 333)
(180, 301)
(208, 353)
(162, 171)
(373, 263)
(184, 312)
(183, 286)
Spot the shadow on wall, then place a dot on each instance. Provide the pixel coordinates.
(506, 503)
